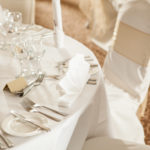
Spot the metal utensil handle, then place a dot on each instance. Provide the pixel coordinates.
(30, 84)
(26, 90)
(55, 111)
(37, 125)
(22, 118)
(91, 82)
(29, 87)
(7, 141)
(48, 116)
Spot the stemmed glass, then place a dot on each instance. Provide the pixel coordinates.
(9, 28)
(36, 49)
(20, 52)
(12, 22)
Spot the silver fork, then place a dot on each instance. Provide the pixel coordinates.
(30, 108)
(6, 140)
(35, 105)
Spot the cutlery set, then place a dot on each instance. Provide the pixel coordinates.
(33, 107)
(65, 62)
(60, 66)
(63, 66)
(29, 121)
(29, 87)
(30, 106)
(58, 77)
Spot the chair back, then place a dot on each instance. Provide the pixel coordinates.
(128, 62)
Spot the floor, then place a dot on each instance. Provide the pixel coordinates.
(74, 23)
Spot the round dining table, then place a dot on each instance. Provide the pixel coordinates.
(88, 116)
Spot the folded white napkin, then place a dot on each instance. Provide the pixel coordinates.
(74, 80)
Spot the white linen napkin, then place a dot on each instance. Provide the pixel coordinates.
(74, 80)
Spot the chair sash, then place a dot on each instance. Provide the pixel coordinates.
(133, 44)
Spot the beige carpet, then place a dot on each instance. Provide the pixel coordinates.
(74, 25)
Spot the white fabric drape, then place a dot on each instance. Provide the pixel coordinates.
(101, 16)
(126, 72)
(104, 143)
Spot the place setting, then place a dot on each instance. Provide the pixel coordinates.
(76, 78)
(37, 101)
(22, 124)
(37, 118)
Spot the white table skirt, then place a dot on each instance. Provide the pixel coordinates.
(89, 110)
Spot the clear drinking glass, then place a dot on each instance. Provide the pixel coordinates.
(12, 22)
(17, 19)
(20, 52)
(36, 52)
(9, 28)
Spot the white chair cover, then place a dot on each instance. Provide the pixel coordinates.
(127, 69)
(26, 7)
(104, 143)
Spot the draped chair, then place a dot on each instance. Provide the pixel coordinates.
(101, 16)
(26, 7)
(127, 77)
(127, 64)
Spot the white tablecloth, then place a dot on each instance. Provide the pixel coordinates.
(88, 112)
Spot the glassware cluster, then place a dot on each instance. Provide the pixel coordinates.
(27, 47)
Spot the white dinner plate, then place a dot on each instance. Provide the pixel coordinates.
(15, 127)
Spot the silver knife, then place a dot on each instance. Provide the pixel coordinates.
(24, 119)
(6, 140)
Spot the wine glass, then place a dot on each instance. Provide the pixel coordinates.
(20, 52)
(13, 21)
(17, 19)
(9, 28)
(36, 52)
